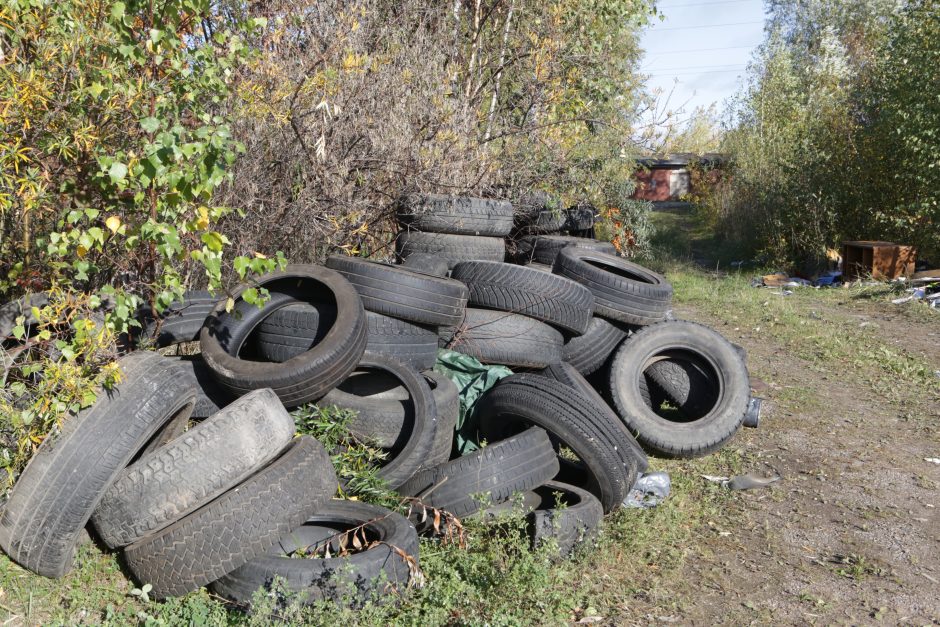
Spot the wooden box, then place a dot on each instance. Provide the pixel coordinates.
(877, 260)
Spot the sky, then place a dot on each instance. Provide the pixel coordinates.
(700, 49)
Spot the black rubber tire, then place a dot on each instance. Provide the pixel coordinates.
(555, 511)
(459, 215)
(401, 293)
(199, 465)
(602, 443)
(544, 248)
(588, 352)
(567, 374)
(527, 206)
(412, 344)
(571, 524)
(59, 489)
(290, 331)
(308, 376)
(550, 298)
(579, 218)
(434, 265)
(488, 476)
(357, 578)
(497, 337)
(685, 436)
(545, 221)
(622, 290)
(385, 412)
(210, 396)
(180, 322)
(453, 248)
(419, 432)
(238, 526)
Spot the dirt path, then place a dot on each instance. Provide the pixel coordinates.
(851, 535)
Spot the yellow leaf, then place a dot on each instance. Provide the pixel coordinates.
(81, 251)
(260, 255)
(202, 222)
(113, 223)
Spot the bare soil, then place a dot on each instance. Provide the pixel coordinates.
(851, 534)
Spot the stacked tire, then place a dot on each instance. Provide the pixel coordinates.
(229, 500)
(451, 228)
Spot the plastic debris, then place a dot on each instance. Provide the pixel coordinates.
(648, 491)
(472, 379)
(933, 460)
(829, 279)
(751, 482)
(752, 417)
(743, 482)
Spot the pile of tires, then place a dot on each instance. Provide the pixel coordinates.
(191, 466)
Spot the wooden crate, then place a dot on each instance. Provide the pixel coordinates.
(878, 260)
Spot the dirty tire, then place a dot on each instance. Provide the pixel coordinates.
(238, 526)
(180, 322)
(453, 248)
(550, 298)
(600, 441)
(497, 337)
(419, 425)
(401, 293)
(459, 215)
(210, 396)
(567, 374)
(516, 464)
(292, 330)
(545, 248)
(588, 352)
(58, 491)
(385, 412)
(579, 218)
(413, 344)
(357, 578)
(569, 525)
(305, 377)
(678, 435)
(538, 212)
(623, 291)
(434, 265)
(185, 474)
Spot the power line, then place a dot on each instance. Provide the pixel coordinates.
(658, 30)
(697, 67)
(702, 49)
(701, 4)
(704, 72)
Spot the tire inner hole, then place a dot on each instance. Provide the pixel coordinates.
(680, 385)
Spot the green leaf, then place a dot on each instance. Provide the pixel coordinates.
(250, 296)
(150, 124)
(117, 11)
(19, 331)
(117, 172)
(241, 265)
(212, 240)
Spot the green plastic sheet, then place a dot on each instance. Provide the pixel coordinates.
(472, 379)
